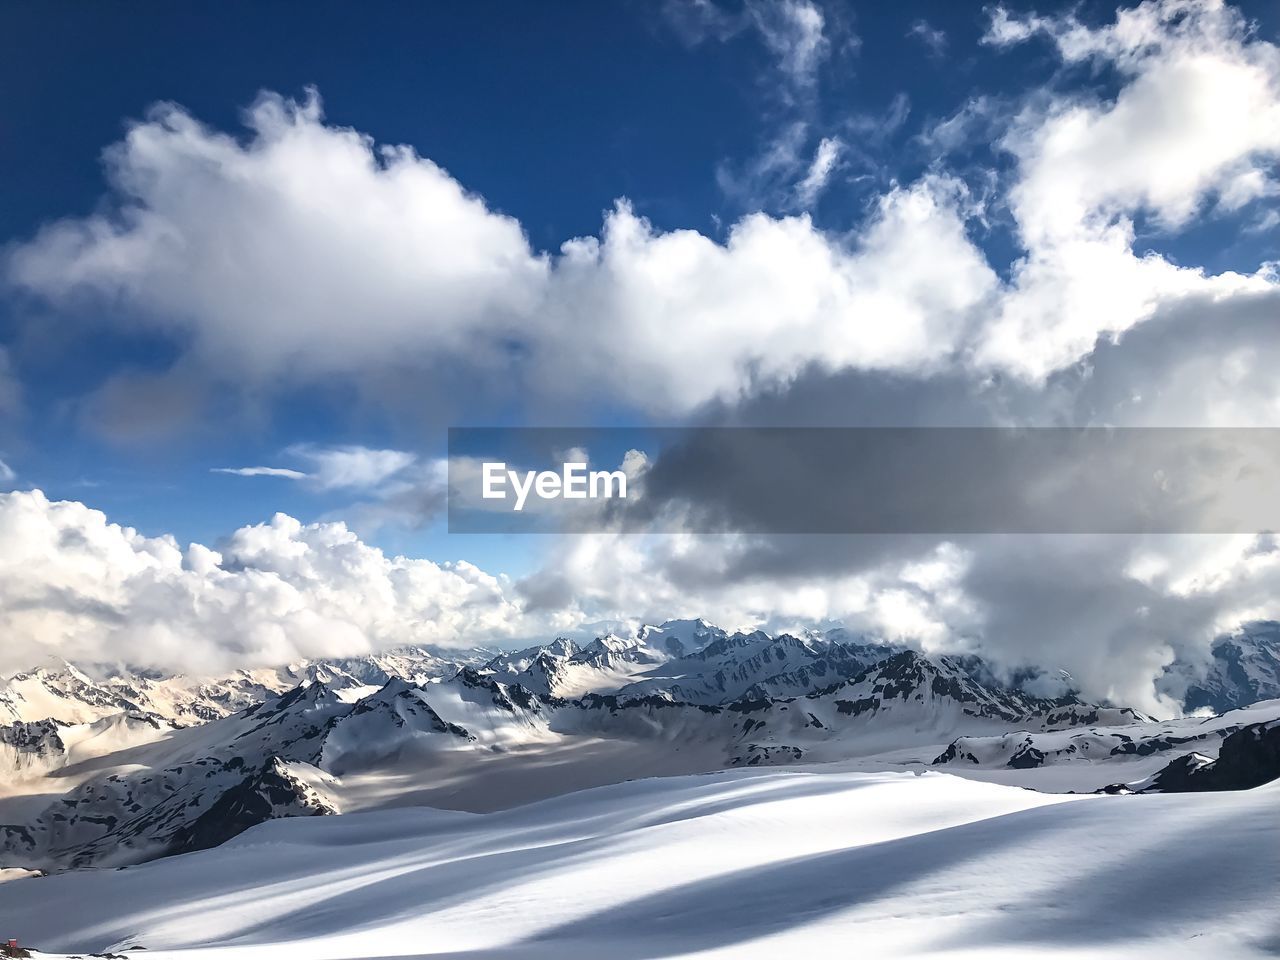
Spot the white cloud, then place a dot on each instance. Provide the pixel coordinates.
(284, 472)
(693, 319)
(1005, 30)
(642, 578)
(1199, 115)
(935, 40)
(1197, 118)
(307, 252)
(7, 473)
(825, 159)
(1110, 610)
(793, 32)
(350, 466)
(75, 585)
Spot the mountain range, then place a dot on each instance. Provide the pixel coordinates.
(140, 766)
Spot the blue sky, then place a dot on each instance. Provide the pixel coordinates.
(550, 114)
(312, 238)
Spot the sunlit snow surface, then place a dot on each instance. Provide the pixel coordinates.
(777, 863)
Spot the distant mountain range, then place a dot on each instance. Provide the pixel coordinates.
(128, 768)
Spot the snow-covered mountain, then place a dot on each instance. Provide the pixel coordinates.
(1243, 668)
(1248, 757)
(689, 661)
(298, 753)
(563, 669)
(39, 747)
(487, 730)
(1124, 752)
(677, 638)
(754, 665)
(71, 695)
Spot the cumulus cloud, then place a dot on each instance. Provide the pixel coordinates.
(75, 585)
(251, 248)
(307, 252)
(1111, 611)
(1196, 120)
(704, 319)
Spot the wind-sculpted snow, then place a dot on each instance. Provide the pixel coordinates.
(743, 864)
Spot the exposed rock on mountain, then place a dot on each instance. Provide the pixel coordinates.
(1248, 758)
(1243, 668)
(322, 737)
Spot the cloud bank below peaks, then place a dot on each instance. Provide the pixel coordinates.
(76, 586)
(1111, 611)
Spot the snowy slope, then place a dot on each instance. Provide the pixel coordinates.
(745, 864)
